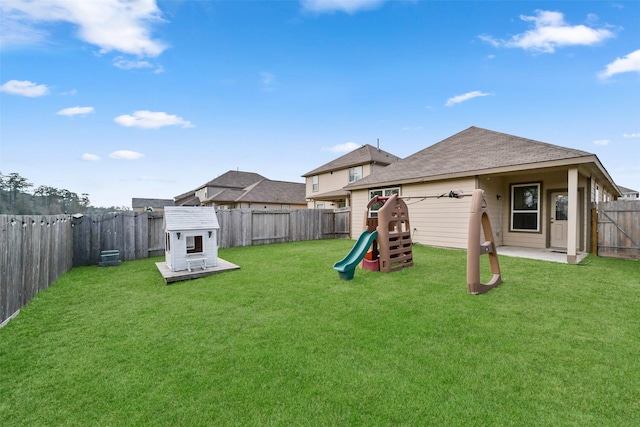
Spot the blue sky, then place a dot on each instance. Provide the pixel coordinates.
(152, 99)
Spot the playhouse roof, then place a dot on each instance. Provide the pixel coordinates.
(190, 218)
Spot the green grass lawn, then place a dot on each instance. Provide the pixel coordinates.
(283, 341)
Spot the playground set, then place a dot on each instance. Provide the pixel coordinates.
(385, 244)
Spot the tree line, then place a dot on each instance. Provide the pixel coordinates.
(16, 199)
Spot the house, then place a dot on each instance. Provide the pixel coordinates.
(264, 194)
(191, 235)
(150, 205)
(629, 194)
(238, 189)
(538, 195)
(325, 185)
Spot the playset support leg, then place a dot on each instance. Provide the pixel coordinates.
(479, 220)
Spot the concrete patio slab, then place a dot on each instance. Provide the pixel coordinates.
(553, 255)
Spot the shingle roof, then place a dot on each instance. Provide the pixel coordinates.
(360, 156)
(470, 151)
(265, 191)
(138, 202)
(625, 190)
(234, 179)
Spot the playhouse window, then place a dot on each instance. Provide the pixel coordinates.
(355, 173)
(383, 192)
(525, 207)
(167, 242)
(194, 244)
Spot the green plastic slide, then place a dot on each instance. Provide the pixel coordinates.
(347, 266)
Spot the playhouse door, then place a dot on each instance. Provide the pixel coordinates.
(559, 220)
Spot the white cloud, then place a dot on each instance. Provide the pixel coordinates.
(268, 80)
(90, 157)
(550, 32)
(348, 6)
(632, 135)
(344, 148)
(123, 26)
(24, 88)
(602, 142)
(75, 111)
(126, 155)
(626, 64)
(151, 120)
(465, 97)
(127, 64)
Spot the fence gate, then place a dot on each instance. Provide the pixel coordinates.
(618, 229)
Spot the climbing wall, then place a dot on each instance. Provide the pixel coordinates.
(394, 235)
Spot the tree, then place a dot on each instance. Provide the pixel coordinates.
(46, 196)
(15, 184)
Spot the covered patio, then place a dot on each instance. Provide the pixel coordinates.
(547, 254)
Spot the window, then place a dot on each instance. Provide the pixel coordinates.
(384, 192)
(525, 207)
(194, 244)
(319, 205)
(314, 180)
(355, 174)
(167, 242)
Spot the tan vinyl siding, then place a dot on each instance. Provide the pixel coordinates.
(437, 222)
(441, 221)
(327, 182)
(359, 200)
(497, 199)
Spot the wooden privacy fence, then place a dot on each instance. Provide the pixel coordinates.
(246, 227)
(618, 229)
(140, 234)
(126, 232)
(34, 251)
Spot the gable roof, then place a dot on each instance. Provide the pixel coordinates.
(625, 190)
(190, 218)
(229, 180)
(234, 179)
(139, 202)
(476, 151)
(360, 156)
(264, 191)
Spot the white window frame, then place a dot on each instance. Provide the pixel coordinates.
(315, 183)
(355, 174)
(384, 192)
(536, 210)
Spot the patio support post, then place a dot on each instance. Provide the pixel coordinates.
(572, 226)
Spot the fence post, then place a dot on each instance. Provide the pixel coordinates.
(594, 231)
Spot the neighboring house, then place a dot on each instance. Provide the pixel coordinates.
(149, 205)
(629, 194)
(237, 189)
(538, 195)
(264, 194)
(325, 185)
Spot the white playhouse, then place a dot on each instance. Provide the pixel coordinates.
(191, 237)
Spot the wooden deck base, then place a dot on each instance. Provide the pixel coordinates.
(176, 276)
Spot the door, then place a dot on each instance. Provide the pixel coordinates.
(559, 219)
